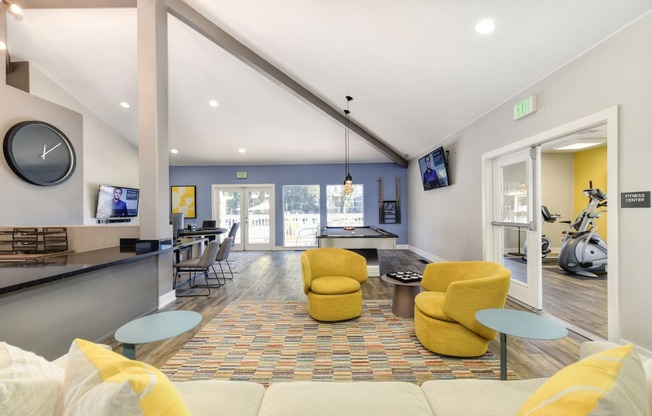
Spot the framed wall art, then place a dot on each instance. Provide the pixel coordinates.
(184, 200)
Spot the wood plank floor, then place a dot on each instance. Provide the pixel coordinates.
(579, 301)
(276, 275)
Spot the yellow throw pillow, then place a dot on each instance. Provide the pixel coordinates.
(100, 382)
(610, 382)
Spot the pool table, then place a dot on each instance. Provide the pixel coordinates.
(363, 240)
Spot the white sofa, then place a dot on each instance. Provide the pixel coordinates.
(433, 398)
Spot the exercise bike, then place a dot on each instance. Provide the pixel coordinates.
(583, 251)
(546, 216)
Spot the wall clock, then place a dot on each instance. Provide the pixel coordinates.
(39, 153)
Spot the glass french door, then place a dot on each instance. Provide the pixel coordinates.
(253, 207)
(516, 222)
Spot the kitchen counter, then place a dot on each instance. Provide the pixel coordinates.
(28, 273)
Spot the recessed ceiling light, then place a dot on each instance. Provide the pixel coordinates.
(15, 9)
(485, 26)
(579, 144)
(3, 46)
(174, 151)
(212, 103)
(124, 104)
(241, 150)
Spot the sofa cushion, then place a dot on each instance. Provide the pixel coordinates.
(29, 384)
(362, 398)
(102, 383)
(608, 382)
(232, 398)
(478, 397)
(334, 285)
(432, 305)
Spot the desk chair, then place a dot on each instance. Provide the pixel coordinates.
(222, 256)
(196, 266)
(233, 231)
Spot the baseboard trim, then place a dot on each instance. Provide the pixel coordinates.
(166, 299)
(425, 254)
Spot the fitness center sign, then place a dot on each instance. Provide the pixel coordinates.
(635, 199)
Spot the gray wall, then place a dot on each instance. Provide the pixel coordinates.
(616, 72)
(27, 204)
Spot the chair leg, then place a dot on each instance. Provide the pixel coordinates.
(230, 271)
(191, 284)
(206, 277)
(222, 273)
(222, 269)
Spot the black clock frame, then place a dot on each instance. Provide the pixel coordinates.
(15, 165)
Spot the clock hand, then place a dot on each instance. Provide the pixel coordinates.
(45, 153)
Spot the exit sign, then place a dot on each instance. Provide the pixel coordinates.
(241, 175)
(525, 107)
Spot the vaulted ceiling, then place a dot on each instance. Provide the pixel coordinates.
(417, 70)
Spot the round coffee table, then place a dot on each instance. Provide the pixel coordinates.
(403, 298)
(519, 324)
(154, 327)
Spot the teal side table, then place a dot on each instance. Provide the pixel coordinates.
(518, 324)
(155, 327)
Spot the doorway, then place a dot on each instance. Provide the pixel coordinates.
(250, 205)
(606, 120)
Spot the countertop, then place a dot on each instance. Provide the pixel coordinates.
(15, 276)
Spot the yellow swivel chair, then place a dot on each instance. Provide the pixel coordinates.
(331, 279)
(444, 312)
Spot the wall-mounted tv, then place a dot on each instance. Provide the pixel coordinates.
(434, 170)
(117, 202)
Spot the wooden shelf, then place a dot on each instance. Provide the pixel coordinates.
(34, 240)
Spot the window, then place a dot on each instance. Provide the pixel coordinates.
(344, 211)
(301, 214)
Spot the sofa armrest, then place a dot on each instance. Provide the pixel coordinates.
(591, 347)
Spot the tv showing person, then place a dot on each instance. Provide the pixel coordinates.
(115, 207)
(430, 179)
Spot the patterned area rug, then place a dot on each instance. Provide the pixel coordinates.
(240, 260)
(267, 342)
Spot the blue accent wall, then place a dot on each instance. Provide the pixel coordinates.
(203, 177)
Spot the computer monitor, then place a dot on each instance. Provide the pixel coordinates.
(176, 219)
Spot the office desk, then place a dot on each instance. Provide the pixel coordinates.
(209, 233)
(193, 244)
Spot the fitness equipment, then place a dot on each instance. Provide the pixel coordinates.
(546, 216)
(583, 251)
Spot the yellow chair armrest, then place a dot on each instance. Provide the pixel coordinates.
(438, 276)
(464, 298)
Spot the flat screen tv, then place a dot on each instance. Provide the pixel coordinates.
(434, 170)
(117, 202)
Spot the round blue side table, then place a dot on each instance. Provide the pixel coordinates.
(520, 324)
(154, 327)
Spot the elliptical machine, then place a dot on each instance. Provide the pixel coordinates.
(546, 216)
(583, 251)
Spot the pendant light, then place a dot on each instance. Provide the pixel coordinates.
(348, 180)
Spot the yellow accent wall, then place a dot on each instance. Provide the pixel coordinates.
(591, 165)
